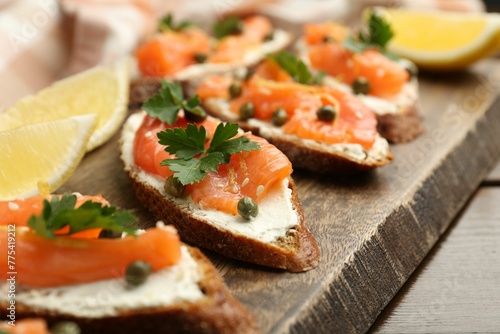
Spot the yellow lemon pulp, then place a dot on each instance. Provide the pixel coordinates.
(44, 153)
(442, 40)
(101, 90)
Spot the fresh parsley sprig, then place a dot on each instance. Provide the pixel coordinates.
(297, 69)
(167, 23)
(230, 26)
(166, 104)
(60, 212)
(377, 35)
(194, 160)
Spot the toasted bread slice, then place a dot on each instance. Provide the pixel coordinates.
(188, 297)
(315, 156)
(142, 88)
(277, 238)
(399, 118)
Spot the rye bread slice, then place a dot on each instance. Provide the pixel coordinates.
(216, 312)
(312, 155)
(142, 88)
(295, 250)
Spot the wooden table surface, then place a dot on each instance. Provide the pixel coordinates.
(456, 289)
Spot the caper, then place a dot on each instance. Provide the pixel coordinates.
(235, 89)
(109, 234)
(238, 28)
(174, 187)
(200, 58)
(279, 117)
(247, 111)
(247, 208)
(361, 85)
(411, 68)
(328, 39)
(269, 36)
(197, 115)
(327, 113)
(137, 272)
(66, 327)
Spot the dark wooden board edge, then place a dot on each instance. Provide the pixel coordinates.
(339, 308)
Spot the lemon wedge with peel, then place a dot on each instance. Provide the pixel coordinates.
(442, 41)
(101, 90)
(42, 154)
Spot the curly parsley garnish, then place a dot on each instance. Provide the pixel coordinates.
(167, 23)
(377, 35)
(166, 104)
(297, 69)
(61, 212)
(194, 160)
(231, 26)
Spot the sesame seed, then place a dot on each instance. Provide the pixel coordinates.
(380, 73)
(260, 190)
(245, 182)
(148, 134)
(13, 206)
(234, 190)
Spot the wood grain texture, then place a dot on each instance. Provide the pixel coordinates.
(457, 286)
(373, 229)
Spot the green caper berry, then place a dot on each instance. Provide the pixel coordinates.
(137, 272)
(328, 39)
(411, 68)
(238, 28)
(361, 85)
(235, 89)
(247, 111)
(327, 113)
(279, 117)
(195, 115)
(247, 208)
(174, 187)
(269, 36)
(200, 58)
(66, 327)
(109, 234)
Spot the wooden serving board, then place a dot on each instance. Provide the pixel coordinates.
(373, 229)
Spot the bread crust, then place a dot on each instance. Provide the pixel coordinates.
(298, 251)
(217, 312)
(403, 126)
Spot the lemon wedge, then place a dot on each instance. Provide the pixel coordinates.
(41, 154)
(442, 41)
(101, 90)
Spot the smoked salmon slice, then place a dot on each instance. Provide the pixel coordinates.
(385, 76)
(26, 326)
(250, 174)
(19, 211)
(171, 51)
(72, 261)
(271, 88)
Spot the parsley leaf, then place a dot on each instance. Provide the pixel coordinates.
(378, 36)
(61, 212)
(166, 104)
(231, 26)
(297, 69)
(193, 160)
(167, 23)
